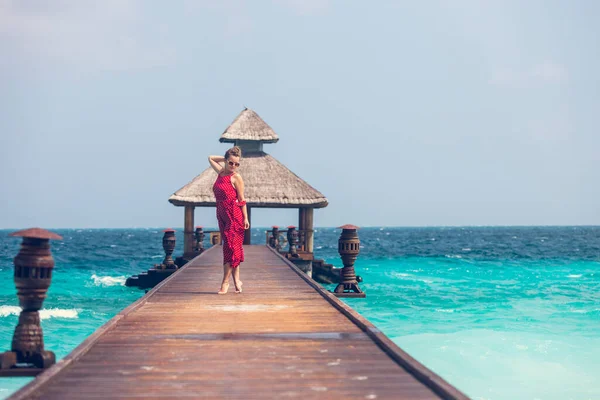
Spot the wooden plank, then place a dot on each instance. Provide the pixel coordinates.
(84, 347)
(425, 375)
(284, 336)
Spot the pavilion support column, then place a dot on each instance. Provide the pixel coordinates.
(301, 223)
(308, 220)
(188, 232)
(248, 232)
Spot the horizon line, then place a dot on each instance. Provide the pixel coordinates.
(334, 227)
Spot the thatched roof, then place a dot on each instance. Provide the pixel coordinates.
(249, 126)
(268, 183)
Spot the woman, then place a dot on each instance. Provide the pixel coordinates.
(232, 214)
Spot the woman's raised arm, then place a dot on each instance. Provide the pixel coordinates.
(214, 162)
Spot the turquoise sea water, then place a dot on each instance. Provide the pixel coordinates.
(501, 313)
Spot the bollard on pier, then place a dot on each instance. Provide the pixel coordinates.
(33, 275)
(348, 248)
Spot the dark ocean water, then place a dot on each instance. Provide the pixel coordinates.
(500, 312)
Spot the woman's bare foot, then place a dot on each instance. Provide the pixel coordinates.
(238, 287)
(224, 288)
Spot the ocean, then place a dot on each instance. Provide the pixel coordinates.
(499, 312)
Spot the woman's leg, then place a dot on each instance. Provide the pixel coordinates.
(226, 275)
(236, 279)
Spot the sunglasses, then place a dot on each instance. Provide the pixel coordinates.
(231, 163)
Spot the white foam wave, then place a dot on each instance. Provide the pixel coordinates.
(5, 311)
(445, 310)
(574, 276)
(453, 256)
(58, 313)
(109, 280)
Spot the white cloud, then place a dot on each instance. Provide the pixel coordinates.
(506, 77)
(235, 14)
(103, 35)
(549, 72)
(543, 73)
(554, 127)
(306, 7)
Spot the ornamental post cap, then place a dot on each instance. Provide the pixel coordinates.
(36, 233)
(348, 227)
(169, 230)
(291, 227)
(199, 227)
(275, 226)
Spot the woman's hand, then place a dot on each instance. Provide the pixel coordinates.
(214, 163)
(246, 223)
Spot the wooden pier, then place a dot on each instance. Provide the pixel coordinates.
(283, 337)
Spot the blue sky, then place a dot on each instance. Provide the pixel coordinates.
(401, 113)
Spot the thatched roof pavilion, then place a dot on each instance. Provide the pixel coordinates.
(268, 183)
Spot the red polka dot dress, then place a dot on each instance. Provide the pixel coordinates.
(231, 220)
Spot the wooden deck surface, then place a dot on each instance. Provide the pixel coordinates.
(283, 337)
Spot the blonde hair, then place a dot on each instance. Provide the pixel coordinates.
(234, 151)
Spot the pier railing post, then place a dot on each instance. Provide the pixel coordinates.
(292, 237)
(348, 247)
(168, 243)
(199, 234)
(274, 239)
(215, 238)
(33, 275)
(160, 271)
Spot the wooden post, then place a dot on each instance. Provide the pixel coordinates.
(308, 220)
(33, 273)
(274, 239)
(188, 233)
(301, 226)
(292, 237)
(168, 242)
(248, 232)
(301, 218)
(215, 238)
(348, 247)
(199, 236)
